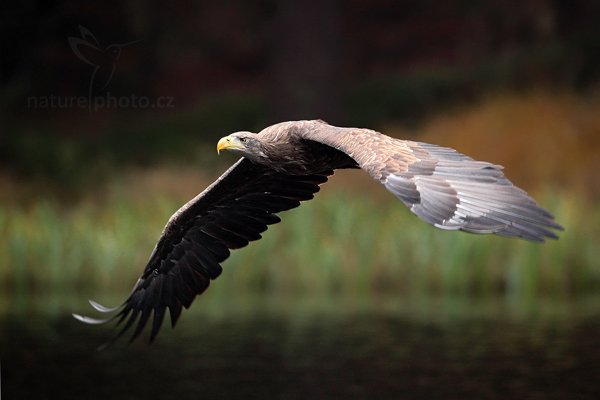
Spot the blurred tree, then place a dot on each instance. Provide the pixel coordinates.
(146, 23)
(305, 62)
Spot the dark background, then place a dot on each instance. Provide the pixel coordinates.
(244, 65)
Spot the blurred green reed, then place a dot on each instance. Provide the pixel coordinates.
(344, 242)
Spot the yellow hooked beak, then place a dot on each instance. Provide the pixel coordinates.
(222, 144)
(229, 143)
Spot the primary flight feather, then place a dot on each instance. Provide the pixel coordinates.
(283, 165)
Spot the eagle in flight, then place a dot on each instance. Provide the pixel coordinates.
(283, 165)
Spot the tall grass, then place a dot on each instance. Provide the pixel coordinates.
(343, 242)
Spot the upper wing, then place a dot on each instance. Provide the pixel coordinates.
(227, 215)
(442, 186)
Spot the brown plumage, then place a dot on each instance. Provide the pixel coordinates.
(283, 165)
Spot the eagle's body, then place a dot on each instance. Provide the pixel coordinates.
(285, 147)
(285, 164)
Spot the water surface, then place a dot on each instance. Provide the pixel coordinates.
(314, 347)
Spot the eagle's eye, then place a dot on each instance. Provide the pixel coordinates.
(243, 139)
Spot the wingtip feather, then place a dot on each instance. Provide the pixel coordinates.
(103, 309)
(89, 320)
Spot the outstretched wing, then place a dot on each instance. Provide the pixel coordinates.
(442, 186)
(232, 211)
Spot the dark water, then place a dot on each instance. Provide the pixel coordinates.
(324, 349)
